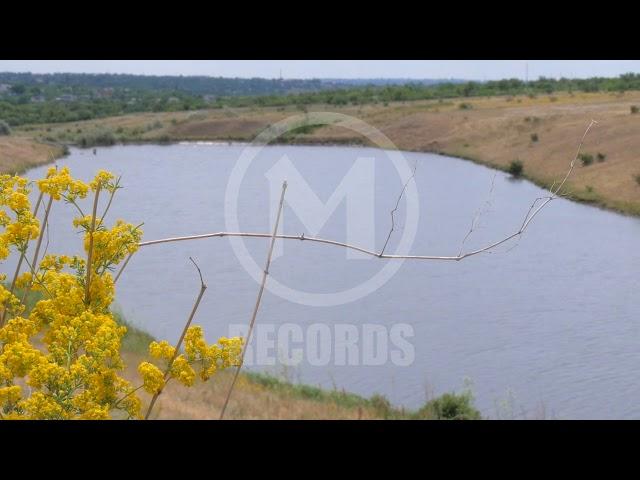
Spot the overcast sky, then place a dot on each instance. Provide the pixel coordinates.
(467, 69)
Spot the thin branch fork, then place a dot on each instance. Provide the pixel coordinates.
(534, 210)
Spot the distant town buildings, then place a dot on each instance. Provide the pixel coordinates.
(104, 92)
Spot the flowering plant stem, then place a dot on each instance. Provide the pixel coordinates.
(20, 260)
(167, 372)
(87, 284)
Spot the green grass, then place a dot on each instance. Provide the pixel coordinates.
(446, 407)
(135, 340)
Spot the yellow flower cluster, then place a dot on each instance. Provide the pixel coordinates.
(152, 377)
(104, 180)
(59, 184)
(206, 359)
(112, 246)
(61, 359)
(20, 225)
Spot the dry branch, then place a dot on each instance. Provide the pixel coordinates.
(265, 273)
(533, 211)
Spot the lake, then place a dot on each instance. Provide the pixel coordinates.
(544, 326)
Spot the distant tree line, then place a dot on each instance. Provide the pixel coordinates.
(195, 85)
(72, 97)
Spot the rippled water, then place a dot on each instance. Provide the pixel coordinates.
(547, 326)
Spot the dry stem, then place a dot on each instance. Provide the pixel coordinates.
(167, 372)
(265, 273)
(87, 285)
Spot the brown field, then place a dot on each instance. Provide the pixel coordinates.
(18, 154)
(493, 131)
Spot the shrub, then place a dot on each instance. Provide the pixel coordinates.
(516, 168)
(4, 128)
(586, 159)
(382, 406)
(97, 138)
(451, 407)
(534, 137)
(154, 126)
(601, 157)
(635, 109)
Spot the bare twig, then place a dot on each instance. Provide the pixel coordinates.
(257, 305)
(34, 262)
(167, 372)
(483, 209)
(533, 211)
(393, 222)
(122, 267)
(573, 162)
(113, 192)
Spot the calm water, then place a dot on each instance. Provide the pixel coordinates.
(548, 328)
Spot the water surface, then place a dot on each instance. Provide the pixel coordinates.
(546, 326)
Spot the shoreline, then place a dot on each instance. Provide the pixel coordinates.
(542, 133)
(264, 395)
(600, 204)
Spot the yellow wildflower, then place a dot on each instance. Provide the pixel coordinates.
(152, 377)
(182, 371)
(161, 350)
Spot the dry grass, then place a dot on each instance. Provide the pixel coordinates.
(19, 153)
(494, 131)
(250, 400)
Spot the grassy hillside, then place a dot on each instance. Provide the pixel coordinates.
(18, 154)
(542, 132)
(266, 396)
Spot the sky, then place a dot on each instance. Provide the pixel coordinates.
(416, 69)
